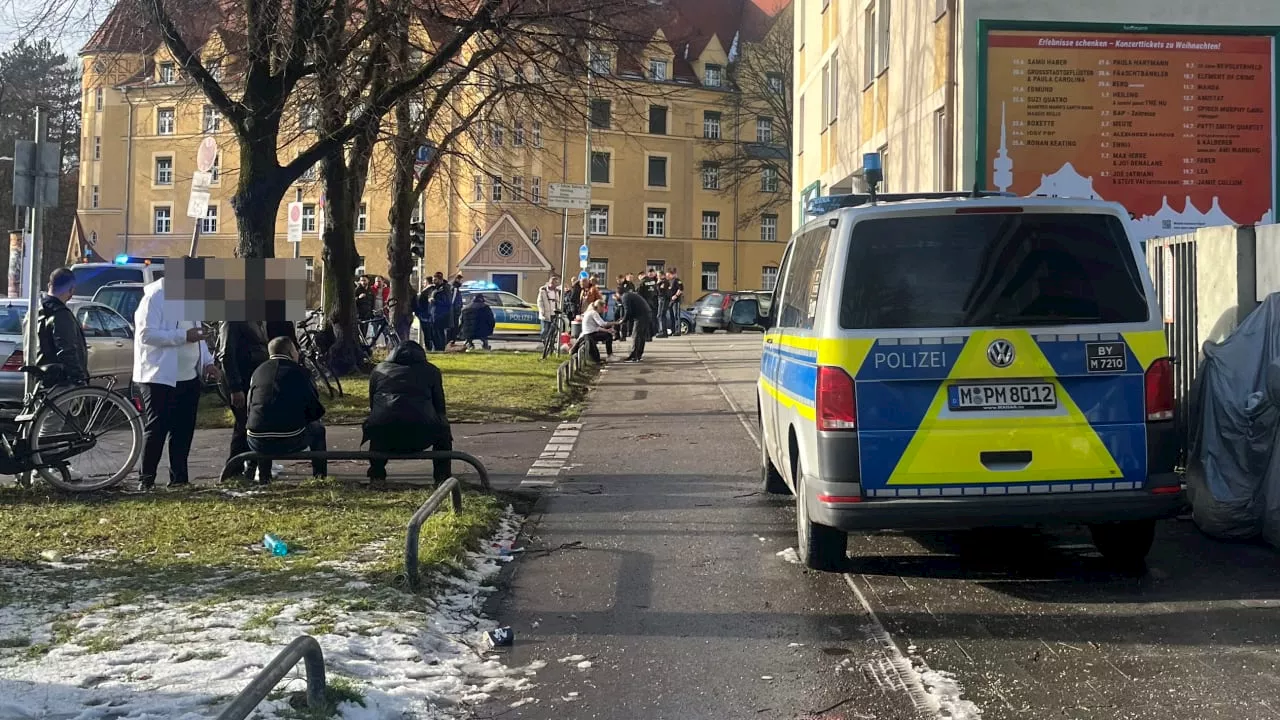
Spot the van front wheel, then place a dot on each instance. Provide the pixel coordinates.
(1125, 544)
(822, 547)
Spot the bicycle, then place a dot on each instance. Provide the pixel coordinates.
(97, 426)
(551, 335)
(383, 328)
(311, 357)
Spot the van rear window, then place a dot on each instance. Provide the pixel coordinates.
(990, 270)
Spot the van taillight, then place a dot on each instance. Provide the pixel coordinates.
(837, 403)
(1160, 390)
(14, 363)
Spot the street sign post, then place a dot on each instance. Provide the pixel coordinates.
(567, 196)
(36, 169)
(207, 155)
(201, 180)
(423, 158)
(295, 222)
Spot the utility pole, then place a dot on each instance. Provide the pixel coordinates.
(36, 167)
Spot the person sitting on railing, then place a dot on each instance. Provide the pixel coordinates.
(406, 410)
(284, 409)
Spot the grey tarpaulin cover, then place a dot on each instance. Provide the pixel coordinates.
(1233, 477)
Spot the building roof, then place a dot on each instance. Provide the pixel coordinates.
(128, 27)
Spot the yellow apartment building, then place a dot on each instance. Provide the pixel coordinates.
(655, 200)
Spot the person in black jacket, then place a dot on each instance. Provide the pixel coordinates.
(637, 312)
(242, 347)
(284, 411)
(407, 410)
(477, 323)
(60, 339)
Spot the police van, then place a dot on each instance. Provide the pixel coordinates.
(946, 361)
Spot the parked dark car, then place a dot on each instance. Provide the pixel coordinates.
(711, 311)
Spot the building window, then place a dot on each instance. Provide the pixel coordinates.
(713, 76)
(212, 119)
(769, 228)
(163, 220)
(308, 218)
(209, 223)
(768, 277)
(216, 170)
(940, 181)
(535, 236)
(167, 73)
(537, 134)
(97, 147)
(99, 99)
(517, 134)
(710, 276)
(657, 171)
(506, 248)
(600, 64)
(884, 167)
(495, 188)
(362, 219)
(655, 224)
(710, 225)
(710, 176)
(711, 125)
(308, 116)
(535, 191)
(93, 196)
(311, 269)
(517, 187)
(601, 110)
(600, 166)
(215, 69)
(833, 105)
(764, 130)
(360, 265)
(869, 45)
(475, 237)
(310, 174)
(658, 265)
(164, 171)
(164, 121)
(882, 46)
(657, 120)
(775, 83)
(826, 95)
(598, 267)
(479, 190)
(657, 69)
(769, 180)
(599, 220)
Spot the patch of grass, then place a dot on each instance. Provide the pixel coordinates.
(264, 617)
(478, 387)
(337, 690)
(194, 535)
(100, 643)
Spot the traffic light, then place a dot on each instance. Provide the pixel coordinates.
(417, 240)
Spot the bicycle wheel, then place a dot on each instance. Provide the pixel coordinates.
(549, 338)
(317, 373)
(97, 433)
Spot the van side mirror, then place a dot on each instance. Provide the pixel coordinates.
(746, 313)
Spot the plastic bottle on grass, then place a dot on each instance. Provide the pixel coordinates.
(275, 545)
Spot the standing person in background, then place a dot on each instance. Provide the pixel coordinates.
(441, 313)
(640, 317)
(59, 337)
(407, 411)
(624, 286)
(455, 318)
(549, 302)
(169, 354)
(676, 289)
(649, 291)
(573, 301)
(664, 304)
(242, 347)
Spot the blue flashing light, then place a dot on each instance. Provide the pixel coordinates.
(479, 285)
(122, 260)
(872, 161)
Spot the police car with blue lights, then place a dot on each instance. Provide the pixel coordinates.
(123, 269)
(512, 315)
(953, 360)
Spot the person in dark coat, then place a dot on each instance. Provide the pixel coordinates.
(441, 314)
(242, 347)
(284, 410)
(478, 323)
(455, 318)
(59, 337)
(407, 410)
(639, 315)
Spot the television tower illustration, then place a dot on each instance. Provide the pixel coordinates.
(1003, 164)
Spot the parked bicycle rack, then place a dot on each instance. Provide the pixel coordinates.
(452, 486)
(304, 648)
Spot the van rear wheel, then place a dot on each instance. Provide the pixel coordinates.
(822, 547)
(1125, 544)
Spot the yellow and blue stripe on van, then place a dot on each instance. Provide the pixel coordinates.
(911, 443)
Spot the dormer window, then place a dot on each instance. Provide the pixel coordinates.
(167, 73)
(658, 69)
(215, 69)
(713, 76)
(600, 64)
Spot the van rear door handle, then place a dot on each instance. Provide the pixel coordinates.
(1009, 461)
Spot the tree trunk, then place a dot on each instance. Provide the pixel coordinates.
(404, 151)
(340, 265)
(257, 199)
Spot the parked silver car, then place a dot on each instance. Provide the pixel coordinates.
(108, 335)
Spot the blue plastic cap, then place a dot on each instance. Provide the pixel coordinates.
(871, 161)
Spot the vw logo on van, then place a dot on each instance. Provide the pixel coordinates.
(1000, 353)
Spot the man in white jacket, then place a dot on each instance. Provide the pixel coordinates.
(169, 357)
(550, 302)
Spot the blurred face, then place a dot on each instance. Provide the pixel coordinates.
(553, 281)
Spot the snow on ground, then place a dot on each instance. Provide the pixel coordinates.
(183, 652)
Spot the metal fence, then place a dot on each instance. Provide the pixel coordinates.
(1172, 262)
(304, 649)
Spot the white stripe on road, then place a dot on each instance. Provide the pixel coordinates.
(553, 457)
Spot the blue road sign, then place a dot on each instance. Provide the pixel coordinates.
(584, 275)
(582, 252)
(424, 156)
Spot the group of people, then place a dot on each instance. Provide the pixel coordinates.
(272, 397)
(446, 319)
(646, 310)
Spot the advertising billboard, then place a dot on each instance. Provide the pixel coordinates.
(1179, 128)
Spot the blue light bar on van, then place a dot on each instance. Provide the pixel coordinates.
(872, 161)
(138, 259)
(479, 285)
(828, 203)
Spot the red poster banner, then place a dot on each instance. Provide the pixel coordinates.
(1180, 129)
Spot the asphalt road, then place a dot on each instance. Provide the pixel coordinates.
(653, 557)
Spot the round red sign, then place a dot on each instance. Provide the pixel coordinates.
(207, 154)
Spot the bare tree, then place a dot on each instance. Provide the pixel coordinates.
(755, 148)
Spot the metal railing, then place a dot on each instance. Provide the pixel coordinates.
(255, 456)
(1172, 262)
(449, 487)
(568, 369)
(304, 648)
